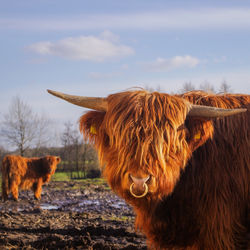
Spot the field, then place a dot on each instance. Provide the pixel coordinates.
(82, 214)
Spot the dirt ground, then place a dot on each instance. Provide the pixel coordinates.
(70, 215)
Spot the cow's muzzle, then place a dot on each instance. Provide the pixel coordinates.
(139, 184)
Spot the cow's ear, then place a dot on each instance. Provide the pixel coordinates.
(198, 132)
(90, 124)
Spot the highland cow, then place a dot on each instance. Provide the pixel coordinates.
(26, 173)
(181, 161)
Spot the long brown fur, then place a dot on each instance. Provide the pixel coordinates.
(26, 173)
(199, 186)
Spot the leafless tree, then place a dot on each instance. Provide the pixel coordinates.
(153, 89)
(187, 86)
(89, 161)
(67, 144)
(76, 143)
(71, 143)
(21, 128)
(208, 87)
(224, 87)
(77, 155)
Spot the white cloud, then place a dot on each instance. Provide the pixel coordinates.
(89, 48)
(171, 19)
(107, 35)
(161, 64)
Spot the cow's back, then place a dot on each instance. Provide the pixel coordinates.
(15, 165)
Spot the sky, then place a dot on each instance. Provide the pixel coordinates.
(96, 48)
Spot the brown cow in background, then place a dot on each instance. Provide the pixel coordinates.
(185, 173)
(26, 173)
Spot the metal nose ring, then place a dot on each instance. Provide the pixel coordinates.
(139, 196)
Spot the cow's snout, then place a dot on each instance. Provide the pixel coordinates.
(139, 186)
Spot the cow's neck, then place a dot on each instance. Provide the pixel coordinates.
(171, 216)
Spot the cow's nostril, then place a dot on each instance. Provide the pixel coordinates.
(139, 181)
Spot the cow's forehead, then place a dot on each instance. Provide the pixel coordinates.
(146, 104)
(150, 119)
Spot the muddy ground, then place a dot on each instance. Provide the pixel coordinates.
(70, 215)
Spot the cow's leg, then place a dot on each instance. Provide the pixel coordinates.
(37, 188)
(14, 188)
(5, 191)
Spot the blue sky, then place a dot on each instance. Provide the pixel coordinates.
(96, 48)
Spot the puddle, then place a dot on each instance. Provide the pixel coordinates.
(118, 204)
(89, 202)
(68, 204)
(46, 206)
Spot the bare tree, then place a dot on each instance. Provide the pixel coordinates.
(71, 143)
(187, 86)
(89, 159)
(76, 146)
(66, 142)
(151, 89)
(78, 155)
(224, 87)
(206, 86)
(42, 133)
(22, 128)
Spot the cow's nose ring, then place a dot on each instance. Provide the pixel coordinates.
(142, 195)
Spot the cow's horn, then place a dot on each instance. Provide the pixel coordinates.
(212, 112)
(96, 103)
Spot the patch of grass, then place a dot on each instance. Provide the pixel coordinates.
(96, 181)
(93, 181)
(60, 176)
(80, 183)
(115, 218)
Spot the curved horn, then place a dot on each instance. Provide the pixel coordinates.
(212, 112)
(96, 103)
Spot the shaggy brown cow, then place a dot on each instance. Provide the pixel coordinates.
(26, 173)
(185, 172)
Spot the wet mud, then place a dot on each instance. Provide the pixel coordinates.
(70, 215)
